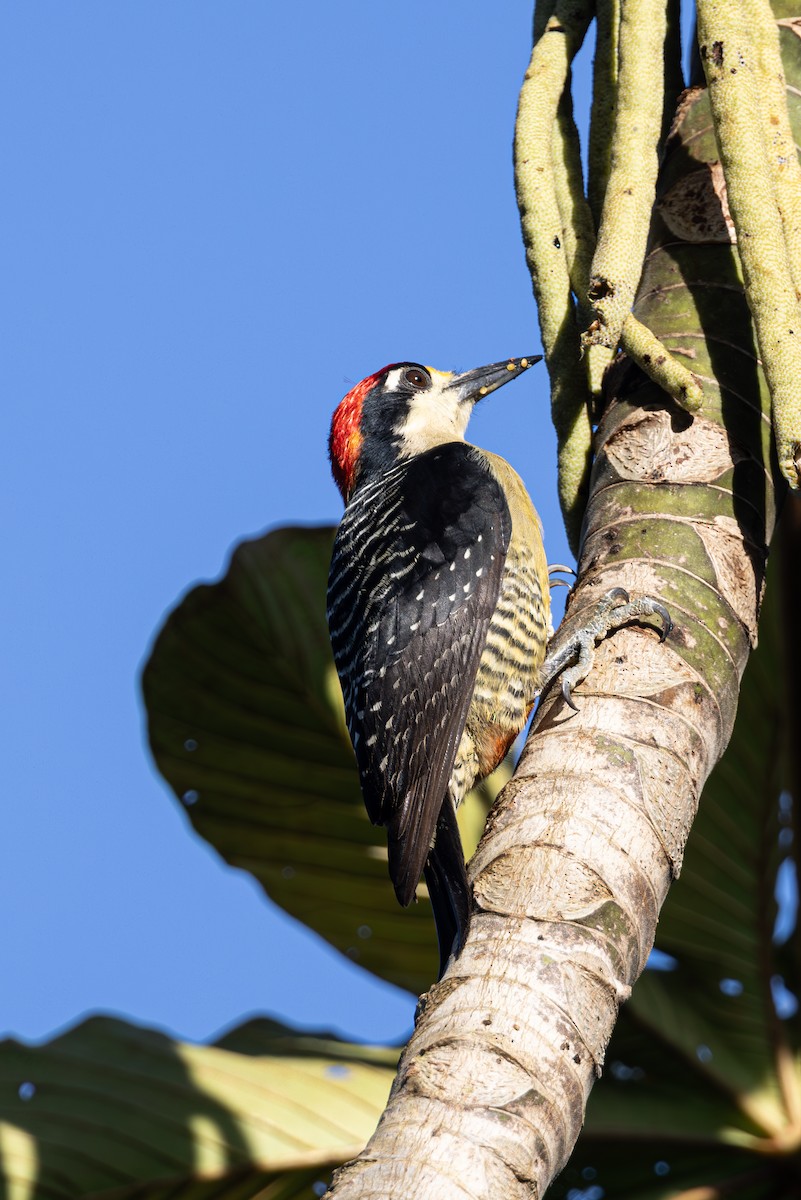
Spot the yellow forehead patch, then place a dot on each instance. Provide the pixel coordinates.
(444, 376)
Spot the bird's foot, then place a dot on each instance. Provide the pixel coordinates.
(573, 660)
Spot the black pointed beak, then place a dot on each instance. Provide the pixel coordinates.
(476, 384)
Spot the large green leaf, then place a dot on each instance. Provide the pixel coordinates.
(246, 724)
(110, 1109)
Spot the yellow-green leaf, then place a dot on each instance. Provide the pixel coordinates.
(111, 1109)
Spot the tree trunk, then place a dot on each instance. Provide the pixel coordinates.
(581, 848)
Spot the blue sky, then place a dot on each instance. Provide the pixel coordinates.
(216, 218)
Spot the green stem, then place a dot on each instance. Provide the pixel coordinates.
(731, 63)
(659, 365)
(782, 155)
(631, 188)
(604, 97)
(541, 221)
(578, 233)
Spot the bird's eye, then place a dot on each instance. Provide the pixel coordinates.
(418, 378)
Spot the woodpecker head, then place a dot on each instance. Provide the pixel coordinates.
(404, 410)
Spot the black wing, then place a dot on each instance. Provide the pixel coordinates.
(415, 578)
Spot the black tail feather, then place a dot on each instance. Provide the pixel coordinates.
(446, 878)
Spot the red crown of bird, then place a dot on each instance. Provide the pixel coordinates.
(345, 438)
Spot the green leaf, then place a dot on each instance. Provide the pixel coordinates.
(110, 1109)
(246, 724)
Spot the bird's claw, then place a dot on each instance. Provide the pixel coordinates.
(557, 569)
(567, 695)
(574, 660)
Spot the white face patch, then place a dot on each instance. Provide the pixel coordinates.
(435, 416)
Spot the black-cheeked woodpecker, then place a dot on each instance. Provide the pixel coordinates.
(439, 613)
